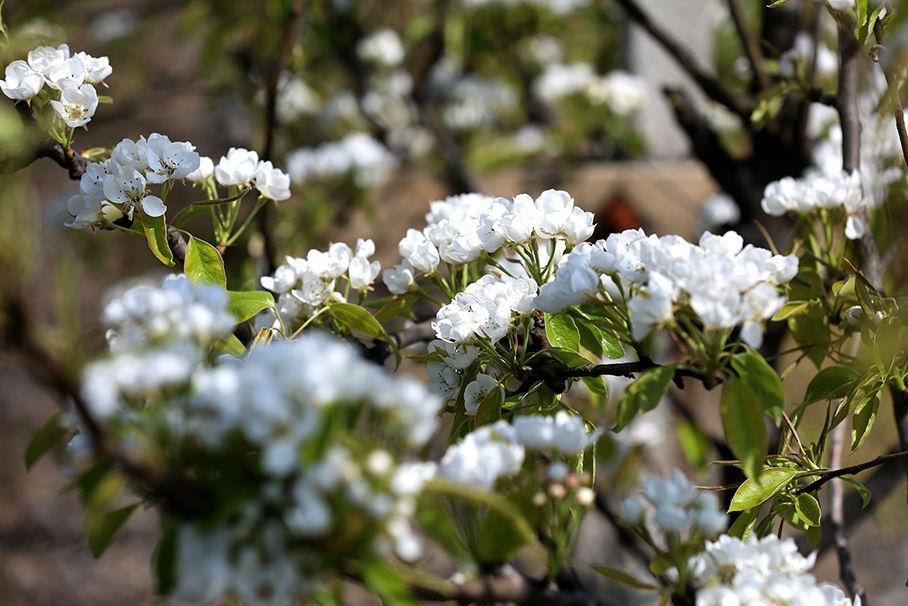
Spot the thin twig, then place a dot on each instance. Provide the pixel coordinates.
(837, 519)
(292, 24)
(826, 476)
(895, 92)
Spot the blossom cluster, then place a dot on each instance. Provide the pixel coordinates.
(623, 93)
(675, 505)
(484, 309)
(499, 450)
(285, 416)
(460, 229)
(116, 187)
(157, 335)
(358, 155)
(559, 7)
(722, 282)
(764, 572)
(305, 285)
(69, 77)
(818, 190)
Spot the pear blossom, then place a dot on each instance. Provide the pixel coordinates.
(760, 572)
(272, 183)
(419, 251)
(68, 74)
(97, 69)
(77, 105)
(400, 278)
(45, 58)
(169, 160)
(21, 82)
(203, 172)
(476, 391)
(563, 432)
(383, 47)
(238, 167)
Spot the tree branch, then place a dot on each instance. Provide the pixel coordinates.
(837, 520)
(894, 88)
(707, 82)
(180, 495)
(292, 24)
(826, 476)
(750, 44)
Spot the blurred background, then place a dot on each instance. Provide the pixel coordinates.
(375, 108)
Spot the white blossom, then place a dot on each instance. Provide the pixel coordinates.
(22, 82)
(272, 183)
(77, 104)
(238, 167)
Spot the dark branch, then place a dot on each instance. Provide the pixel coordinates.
(826, 476)
(707, 82)
(180, 495)
(750, 44)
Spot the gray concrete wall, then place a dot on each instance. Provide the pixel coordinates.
(689, 21)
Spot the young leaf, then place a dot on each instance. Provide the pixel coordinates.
(489, 409)
(102, 527)
(244, 304)
(862, 420)
(861, 489)
(231, 345)
(358, 319)
(156, 234)
(203, 264)
(808, 509)
(386, 582)
(744, 523)
(49, 435)
(830, 383)
(762, 380)
(562, 331)
(753, 492)
(643, 394)
(745, 429)
(623, 578)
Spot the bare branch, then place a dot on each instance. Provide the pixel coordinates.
(750, 44)
(894, 87)
(707, 82)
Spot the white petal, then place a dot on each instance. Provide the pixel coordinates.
(153, 206)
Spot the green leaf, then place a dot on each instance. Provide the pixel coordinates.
(791, 309)
(596, 387)
(358, 319)
(694, 443)
(623, 578)
(830, 383)
(808, 509)
(762, 380)
(386, 582)
(502, 529)
(49, 435)
(643, 394)
(861, 489)
(862, 420)
(489, 409)
(244, 304)
(745, 430)
(754, 491)
(744, 523)
(101, 528)
(164, 559)
(231, 345)
(156, 234)
(562, 332)
(203, 264)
